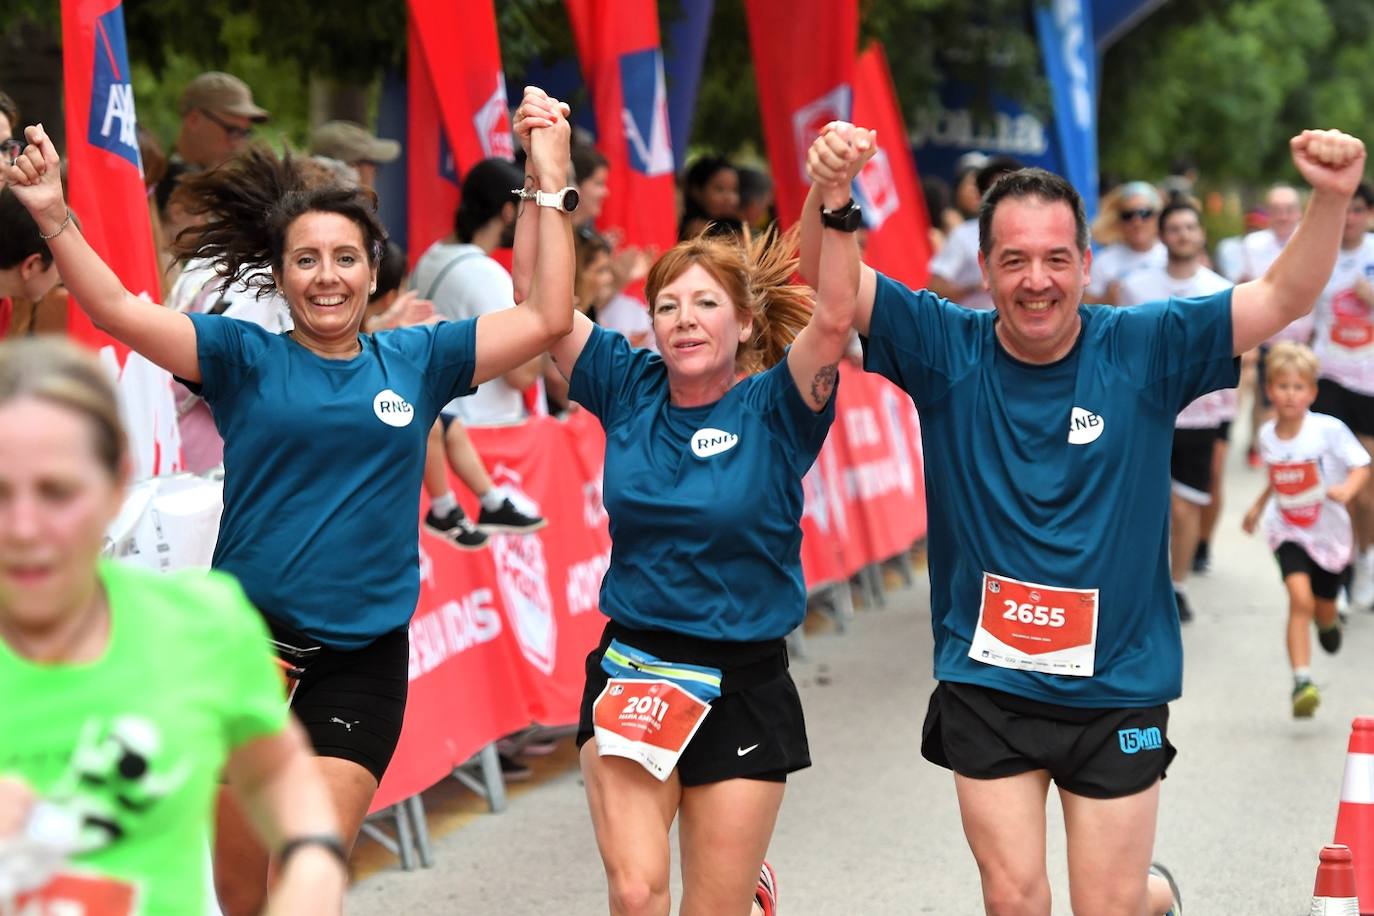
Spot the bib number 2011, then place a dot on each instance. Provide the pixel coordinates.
(1036, 614)
(653, 707)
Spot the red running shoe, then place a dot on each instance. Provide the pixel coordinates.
(767, 893)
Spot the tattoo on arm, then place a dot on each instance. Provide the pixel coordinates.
(823, 385)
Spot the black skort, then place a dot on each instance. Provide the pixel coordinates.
(351, 704)
(755, 729)
(1097, 753)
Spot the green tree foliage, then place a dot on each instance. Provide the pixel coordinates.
(1228, 82)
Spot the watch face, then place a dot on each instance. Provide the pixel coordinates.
(570, 199)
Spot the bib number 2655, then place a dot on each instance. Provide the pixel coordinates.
(1036, 614)
(1029, 626)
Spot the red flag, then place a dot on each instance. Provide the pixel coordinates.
(893, 204)
(804, 69)
(618, 43)
(458, 109)
(105, 177)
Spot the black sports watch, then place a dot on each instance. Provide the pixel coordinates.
(846, 219)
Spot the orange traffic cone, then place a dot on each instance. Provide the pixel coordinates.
(1334, 894)
(1355, 820)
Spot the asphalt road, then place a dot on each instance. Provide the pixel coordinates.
(872, 828)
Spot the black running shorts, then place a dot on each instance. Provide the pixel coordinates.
(1097, 753)
(1190, 464)
(352, 704)
(754, 730)
(1350, 407)
(1294, 559)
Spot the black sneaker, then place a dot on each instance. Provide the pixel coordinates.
(1202, 559)
(507, 517)
(1330, 638)
(1185, 613)
(513, 770)
(456, 529)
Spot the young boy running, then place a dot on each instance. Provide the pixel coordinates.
(1316, 465)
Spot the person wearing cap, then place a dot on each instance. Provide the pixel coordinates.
(955, 273)
(217, 117)
(352, 144)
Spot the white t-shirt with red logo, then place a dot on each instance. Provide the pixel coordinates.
(1301, 470)
(1345, 323)
(1260, 250)
(1153, 284)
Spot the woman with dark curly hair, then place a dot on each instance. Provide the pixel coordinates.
(324, 427)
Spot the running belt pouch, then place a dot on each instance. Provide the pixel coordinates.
(622, 661)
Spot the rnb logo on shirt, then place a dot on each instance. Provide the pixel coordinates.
(1084, 426)
(392, 409)
(707, 442)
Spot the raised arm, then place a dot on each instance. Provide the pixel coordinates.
(1333, 163)
(527, 117)
(510, 337)
(816, 353)
(165, 337)
(826, 161)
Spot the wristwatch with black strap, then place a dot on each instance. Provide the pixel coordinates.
(846, 219)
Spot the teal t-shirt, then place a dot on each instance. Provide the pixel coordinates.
(1056, 475)
(133, 743)
(705, 503)
(323, 461)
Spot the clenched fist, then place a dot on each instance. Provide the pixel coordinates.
(836, 156)
(1329, 160)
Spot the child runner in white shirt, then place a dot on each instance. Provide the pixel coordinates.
(1316, 465)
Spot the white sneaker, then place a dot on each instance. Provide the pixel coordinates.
(1362, 580)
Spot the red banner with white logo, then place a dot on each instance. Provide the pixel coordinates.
(881, 472)
(804, 70)
(887, 188)
(106, 192)
(622, 63)
(459, 114)
(551, 581)
(500, 635)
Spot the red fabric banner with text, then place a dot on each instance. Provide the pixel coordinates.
(106, 192)
(622, 63)
(804, 70)
(458, 109)
(888, 188)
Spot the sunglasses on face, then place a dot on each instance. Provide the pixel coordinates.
(233, 130)
(1143, 213)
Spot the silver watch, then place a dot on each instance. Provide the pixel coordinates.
(565, 200)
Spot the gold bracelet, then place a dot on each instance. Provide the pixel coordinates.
(58, 230)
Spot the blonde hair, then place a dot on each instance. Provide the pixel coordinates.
(1291, 357)
(52, 370)
(757, 275)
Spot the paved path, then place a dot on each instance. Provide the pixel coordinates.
(874, 829)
